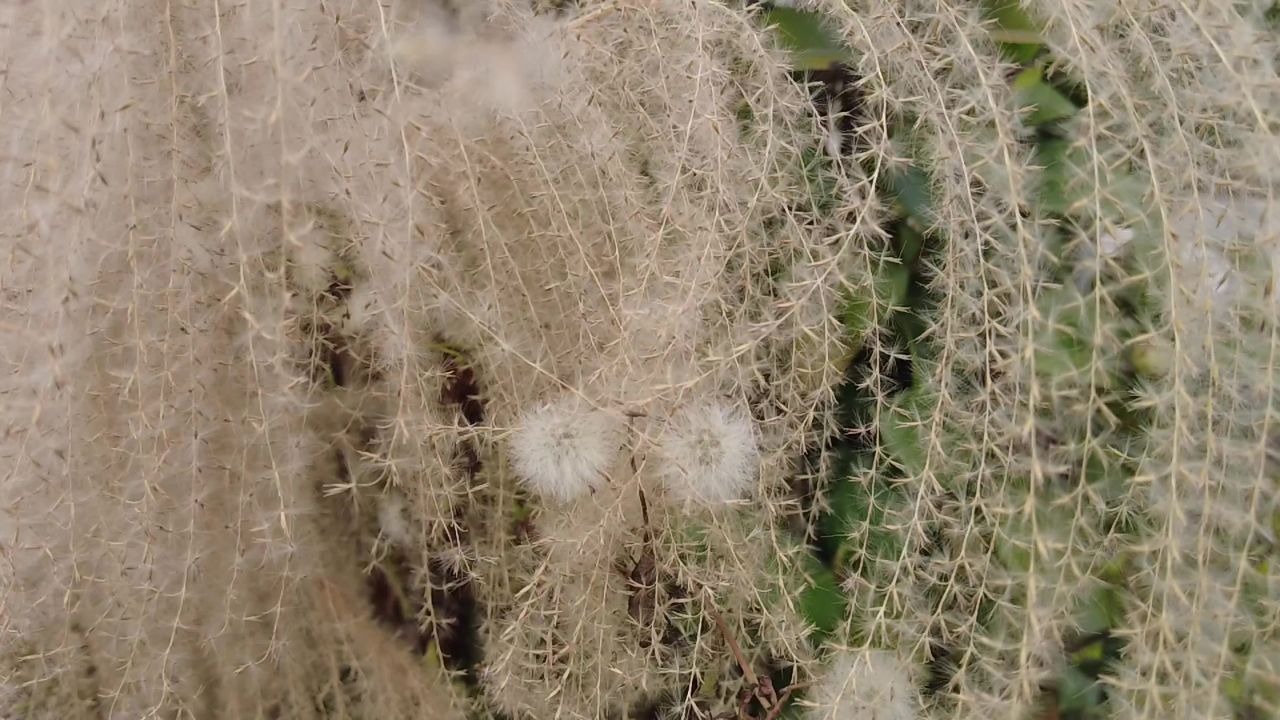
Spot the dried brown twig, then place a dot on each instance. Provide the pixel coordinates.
(760, 687)
(643, 577)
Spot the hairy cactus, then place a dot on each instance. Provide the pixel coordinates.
(539, 359)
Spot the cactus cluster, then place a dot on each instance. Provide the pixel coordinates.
(533, 359)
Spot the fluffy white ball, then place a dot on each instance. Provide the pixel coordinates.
(563, 450)
(864, 685)
(392, 519)
(709, 454)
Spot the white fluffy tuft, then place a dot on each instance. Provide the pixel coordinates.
(864, 685)
(392, 520)
(710, 454)
(564, 449)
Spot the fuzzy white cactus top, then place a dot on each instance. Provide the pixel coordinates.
(709, 454)
(564, 449)
(864, 685)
